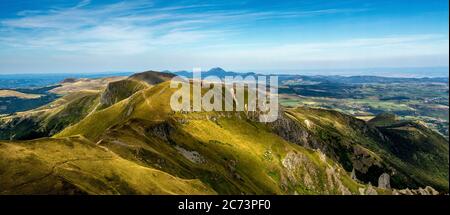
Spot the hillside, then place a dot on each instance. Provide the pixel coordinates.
(369, 150)
(77, 166)
(12, 93)
(81, 97)
(128, 132)
(49, 119)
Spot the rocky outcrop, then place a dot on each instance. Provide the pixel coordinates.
(192, 156)
(369, 190)
(291, 131)
(301, 171)
(353, 175)
(384, 181)
(118, 91)
(161, 130)
(421, 191)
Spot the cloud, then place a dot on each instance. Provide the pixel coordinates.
(404, 50)
(139, 34)
(83, 3)
(130, 27)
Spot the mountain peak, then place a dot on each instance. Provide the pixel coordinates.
(216, 69)
(152, 77)
(384, 119)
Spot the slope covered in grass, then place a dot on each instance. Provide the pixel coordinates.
(414, 155)
(231, 155)
(421, 153)
(78, 166)
(151, 103)
(49, 119)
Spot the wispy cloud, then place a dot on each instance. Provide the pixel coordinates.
(426, 49)
(130, 27)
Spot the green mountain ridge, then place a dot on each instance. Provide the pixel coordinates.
(127, 140)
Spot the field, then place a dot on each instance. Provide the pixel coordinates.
(427, 102)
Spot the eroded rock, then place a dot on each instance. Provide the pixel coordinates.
(384, 181)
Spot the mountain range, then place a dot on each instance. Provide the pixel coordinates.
(124, 138)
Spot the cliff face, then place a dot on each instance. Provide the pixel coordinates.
(412, 154)
(120, 90)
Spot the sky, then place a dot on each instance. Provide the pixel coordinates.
(88, 36)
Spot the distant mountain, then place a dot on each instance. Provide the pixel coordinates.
(219, 72)
(152, 77)
(363, 79)
(333, 79)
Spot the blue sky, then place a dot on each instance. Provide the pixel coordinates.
(49, 36)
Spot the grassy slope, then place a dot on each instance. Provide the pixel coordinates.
(149, 103)
(49, 119)
(12, 93)
(415, 155)
(120, 90)
(231, 148)
(70, 109)
(76, 165)
(237, 156)
(233, 156)
(422, 153)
